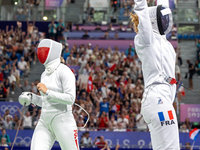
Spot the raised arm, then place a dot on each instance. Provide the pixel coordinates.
(34, 22)
(145, 31)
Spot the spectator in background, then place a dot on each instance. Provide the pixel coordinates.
(6, 87)
(33, 88)
(98, 28)
(191, 71)
(2, 91)
(82, 61)
(4, 54)
(121, 28)
(89, 50)
(28, 60)
(130, 50)
(197, 43)
(102, 122)
(27, 119)
(70, 60)
(7, 122)
(26, 48)
(22, 65)
(122, 121)
(174, 28)
(110, 28)
(52, 30)
(77, 28)
(188, 123)
(116, 36)
(16, 73)
(32, 53)
(30, 26)
(6, 72)
(197, 68)
(86, 35)
(7, 113)
(184, 129)
(6, 136)
(90, 13)
(113, 122)
(12, 80)
(3, 142)
(86, 140)
(173, 36)
(1, 73)
(188, 146)
(60, 29)
(101, 143)
(66, 52)
(140, 123)
(26, 86)
(178, 55)
(130, 27)
(106, 35)
(104, 106)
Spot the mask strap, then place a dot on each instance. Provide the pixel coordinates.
(159, 21)
(85, 112)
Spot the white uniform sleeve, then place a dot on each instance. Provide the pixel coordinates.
(163, 2)
(145, 31)
(67, 79)
(37, 100)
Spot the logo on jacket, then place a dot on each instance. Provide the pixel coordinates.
(167, 119)
(160, 101)
(76, 138)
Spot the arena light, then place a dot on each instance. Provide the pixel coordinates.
(16, 3)
(104, 22)
(125, 22)
(45, 18)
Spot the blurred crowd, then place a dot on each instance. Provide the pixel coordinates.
(118, 9)
(114, 90)
(17, 55)
(25, 9)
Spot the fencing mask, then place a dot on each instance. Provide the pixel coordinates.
(161, 18)
(48, 51)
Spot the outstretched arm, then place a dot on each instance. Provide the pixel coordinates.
(145, 31)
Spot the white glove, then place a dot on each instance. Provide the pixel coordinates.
(25, 97)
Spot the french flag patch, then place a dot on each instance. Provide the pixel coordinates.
(166, 118)
(162, 118)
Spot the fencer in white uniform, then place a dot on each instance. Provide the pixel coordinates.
(57, 89)
(158, 65)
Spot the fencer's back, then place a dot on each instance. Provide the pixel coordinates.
(157, 58)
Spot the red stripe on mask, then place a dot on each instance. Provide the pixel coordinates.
(42, 53)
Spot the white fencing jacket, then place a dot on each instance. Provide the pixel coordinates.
(155, 52)
(61, 92)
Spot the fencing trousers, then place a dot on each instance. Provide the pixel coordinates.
(62, 128)
(159, 114)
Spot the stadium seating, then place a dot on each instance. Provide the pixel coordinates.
(185, 37)
(192, 37)
(180, 37)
